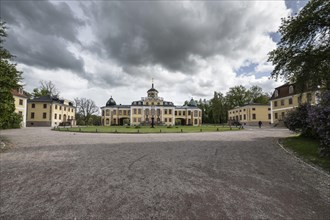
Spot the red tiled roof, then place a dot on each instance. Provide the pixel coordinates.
(16, 93)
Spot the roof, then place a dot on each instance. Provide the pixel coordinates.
(192, 103)
(283, 91)
(152, 89)
(110, 102)
(50, 99)
(117, 106)
(186, 107)
(16, 93)
(250, 104)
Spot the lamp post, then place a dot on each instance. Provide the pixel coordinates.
(152, 116)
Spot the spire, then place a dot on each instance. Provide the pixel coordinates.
(152, 85)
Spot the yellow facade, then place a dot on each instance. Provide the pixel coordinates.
(250, 114)
(151, 109)
(285, 98)
(49, 112)
(20, 104)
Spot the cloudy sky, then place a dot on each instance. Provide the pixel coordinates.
(98, 49)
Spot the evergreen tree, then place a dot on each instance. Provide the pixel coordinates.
(9, 79)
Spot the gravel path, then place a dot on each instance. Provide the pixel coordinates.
(227, 175)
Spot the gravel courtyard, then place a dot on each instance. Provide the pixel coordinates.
(227, 175)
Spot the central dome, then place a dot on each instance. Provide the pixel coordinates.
(110, 102)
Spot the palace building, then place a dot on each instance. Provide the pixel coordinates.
(50, 111)
(250, 114)
(151, 109)
(286, 98)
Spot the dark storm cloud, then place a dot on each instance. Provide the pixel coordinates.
(171, 33)
(39, 33)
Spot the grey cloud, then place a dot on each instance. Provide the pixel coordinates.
(43, 17)
(168, 33)
(39, 33)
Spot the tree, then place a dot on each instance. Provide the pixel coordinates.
(45, 88)
(257, 95)
(85, 109)
(237, 96)
(303, 53)
(9, 80)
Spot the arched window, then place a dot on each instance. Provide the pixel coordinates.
(291, 89)
(276, 93)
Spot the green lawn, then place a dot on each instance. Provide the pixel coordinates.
(307, 148)
(148, 129)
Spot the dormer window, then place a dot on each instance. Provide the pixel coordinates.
(276, 93)
(291, 89)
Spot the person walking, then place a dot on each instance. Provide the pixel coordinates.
(260, 123)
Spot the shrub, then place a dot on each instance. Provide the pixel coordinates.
(319, 119)
(297, 121)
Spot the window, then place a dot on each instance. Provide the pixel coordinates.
(55, 106)
(134, 111)
(291, 89)
(283, 114)
(165, 119)
(244, 117)
(275, 103)
(170, 119)
(59, 116)
(176, 112)
(124, 112)
(195, 121)
(72, 110)
(240, 117)
(253, 109)
(107, 112)
(254, 116)
(45, 105)
(114, 112)
(21, 102)
(276, 93)
(134, 119)
(299, 99)
(170, 111)
(107, 121)
(120, 112)
(158, 111)
(189, 112)
(179, 112)
(32, 114)
(165, 111)
(184, 113)
(282, 102)
(60, 107)
(276, 116)
(244, 110)
(195, 113)
(44, 115)
(241, 110)
(55, 116)
(64, 108)
(139, 111)
(290, 101)
(33, 105)
(147, 103)
(139, 119)
(269, 116)
(268, 109)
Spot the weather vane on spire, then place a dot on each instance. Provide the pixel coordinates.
(152, 81)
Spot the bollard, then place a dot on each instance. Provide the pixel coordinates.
(116, 131)
(67, 129)
(201, 130)
(79, 129)
(96, 130)
(217, 129)
(181, 130)
(160, 130)
(138, 130)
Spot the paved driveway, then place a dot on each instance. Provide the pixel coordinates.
(227, 175)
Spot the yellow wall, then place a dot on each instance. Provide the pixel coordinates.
(63, 113)
(21, 109)
(283, 106)
(245, 114)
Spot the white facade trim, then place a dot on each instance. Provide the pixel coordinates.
(280, 109)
